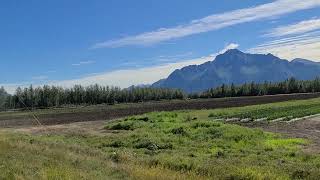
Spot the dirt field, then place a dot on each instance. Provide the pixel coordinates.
(109, 113)
(90, 127)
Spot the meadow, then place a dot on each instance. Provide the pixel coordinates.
(187, 144)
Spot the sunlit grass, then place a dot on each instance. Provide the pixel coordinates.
(162, 145)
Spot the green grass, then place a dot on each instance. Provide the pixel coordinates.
(165, 145)
(288, 110)
(27, 157)
(186, 142)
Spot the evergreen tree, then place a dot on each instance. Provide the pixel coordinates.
(53, 96)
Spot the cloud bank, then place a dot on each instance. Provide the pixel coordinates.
(213, 22)
(294, 29)
(298, 40)
(300, 46)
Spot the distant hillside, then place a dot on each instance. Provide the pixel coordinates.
(237, 67)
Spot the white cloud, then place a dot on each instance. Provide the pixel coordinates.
(213, 22)
(302, 46)
(83, 63)
(126, 78)
(229, 46)
(294, 29)
(121, 78)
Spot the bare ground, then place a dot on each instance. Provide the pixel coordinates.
(88, 128)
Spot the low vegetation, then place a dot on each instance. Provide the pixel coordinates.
(284, 110)
(164, 145)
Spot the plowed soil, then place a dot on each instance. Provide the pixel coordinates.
(109, 112)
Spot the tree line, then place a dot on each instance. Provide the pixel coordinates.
(54, 96)
(288, 86)
(3, 98)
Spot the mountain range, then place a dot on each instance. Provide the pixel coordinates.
(238, 67)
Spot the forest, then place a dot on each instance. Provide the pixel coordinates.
(288, 86)
(53, 96)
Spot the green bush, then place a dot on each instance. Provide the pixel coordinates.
(121, 126)
(146, 144)
(179, 131)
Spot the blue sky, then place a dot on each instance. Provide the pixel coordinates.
(118, 42)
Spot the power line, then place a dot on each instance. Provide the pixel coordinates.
(33, 114)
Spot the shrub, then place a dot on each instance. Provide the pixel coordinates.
(145, 119)
(214, 132)
(211, 115)
(146, 144)
(179, 131)
(121, 126)
(166, 146)
(116, 144)
(300, 174)
(150, 145)
(205, 125)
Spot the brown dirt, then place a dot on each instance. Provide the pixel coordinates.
(113, 113)
(79, 128)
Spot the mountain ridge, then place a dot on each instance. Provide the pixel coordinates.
(235, 66)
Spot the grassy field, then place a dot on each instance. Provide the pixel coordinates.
(166, 145)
